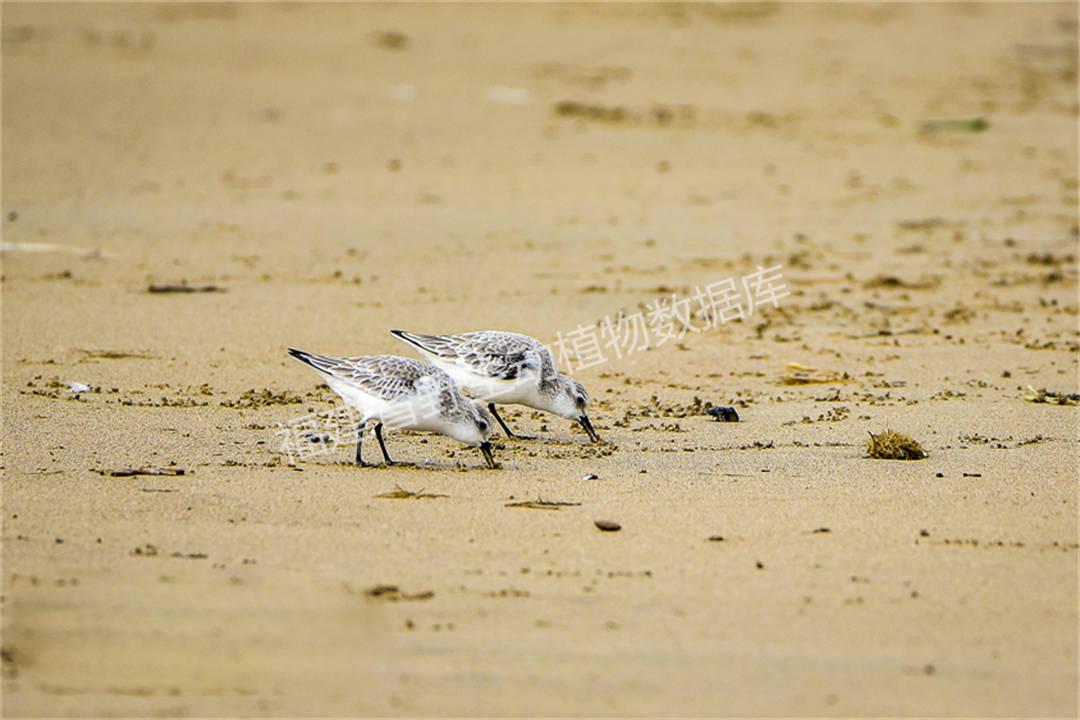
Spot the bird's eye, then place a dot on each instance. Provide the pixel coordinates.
(482, 425)
(580, 400)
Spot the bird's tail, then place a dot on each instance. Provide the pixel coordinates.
(431, 344)
(318, 362)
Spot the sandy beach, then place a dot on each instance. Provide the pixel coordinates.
(321, 174)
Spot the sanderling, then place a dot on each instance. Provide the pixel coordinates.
(505, 367)
(406, 393)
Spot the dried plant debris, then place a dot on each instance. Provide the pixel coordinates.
(539, 504)
(964, 125)
(659, 115)
(927, 224)
(1050, 397)
(1048, 258)
(959, 314)
(801, 375)
(925, 282)
(184, 288)
(885, 332)
(149, 550)
(400, 493)
(115, 354)
(891, 445)
(393, 593)
(132, 472)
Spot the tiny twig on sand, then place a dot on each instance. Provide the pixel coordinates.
(132, 472)
(539, 504)
(400, 493)
(163, 289)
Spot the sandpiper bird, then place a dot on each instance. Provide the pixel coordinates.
(505, 367)
(406, 393)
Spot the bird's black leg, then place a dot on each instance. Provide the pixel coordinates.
(509, 433)
(359, 437)
(378, 434)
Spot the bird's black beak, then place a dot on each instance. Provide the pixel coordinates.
(485, 447)
(584, 420)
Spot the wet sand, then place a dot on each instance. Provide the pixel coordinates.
(340, 170)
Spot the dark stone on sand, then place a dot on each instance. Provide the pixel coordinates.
(724, 413)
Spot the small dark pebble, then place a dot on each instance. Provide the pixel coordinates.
(13, 216)
(822, 530)
(924, 533)
(972, 474)
(716, 538)
(607, 525)
(317, 438)
(760, 565)
(941, 475)
(723, 414)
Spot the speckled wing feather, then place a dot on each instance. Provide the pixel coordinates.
(494, 353)
(387, 377)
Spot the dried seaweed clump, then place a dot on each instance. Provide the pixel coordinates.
(1052, 398)
(891, 445)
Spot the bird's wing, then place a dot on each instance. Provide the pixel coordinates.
(387, 377)
(492, 353)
